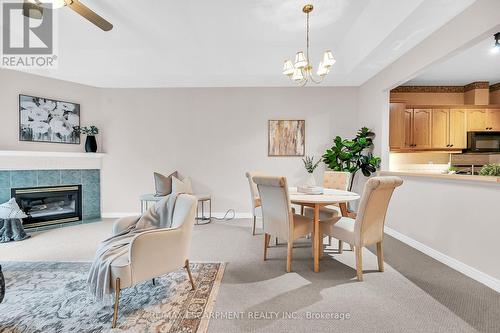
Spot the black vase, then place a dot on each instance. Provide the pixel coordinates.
(90, 144)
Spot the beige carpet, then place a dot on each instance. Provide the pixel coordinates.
(414, 294)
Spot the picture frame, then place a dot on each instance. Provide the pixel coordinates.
(286, 137)
(48, 120)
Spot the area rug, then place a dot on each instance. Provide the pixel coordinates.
(52, 297)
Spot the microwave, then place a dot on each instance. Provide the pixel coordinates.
(483, 141)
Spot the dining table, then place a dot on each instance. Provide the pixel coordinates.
(316, 201)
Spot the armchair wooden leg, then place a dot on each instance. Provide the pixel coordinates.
(154, 283)
(277, 241)
(380, 256)
(253, 229)
(359, 262)
(267, 237)
(289, 257)
(117, 301)
(341, 246)
(186, 266)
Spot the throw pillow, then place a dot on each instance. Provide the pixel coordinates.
(182, 186)
(163, 184)
(11, 210)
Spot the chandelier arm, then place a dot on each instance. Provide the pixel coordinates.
(315, 79)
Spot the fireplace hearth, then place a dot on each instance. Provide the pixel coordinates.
(49, 204)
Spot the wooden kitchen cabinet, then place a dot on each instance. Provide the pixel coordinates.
(397, 125)
(476, 120)
(493, 120)
(421, 128)
(408, 134)
(440, 133)
(458, 129)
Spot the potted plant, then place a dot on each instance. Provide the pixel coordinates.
(490, 170)
(353, 155)
(90, 142)
(310, 165)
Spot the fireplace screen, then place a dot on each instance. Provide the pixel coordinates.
(49, 205)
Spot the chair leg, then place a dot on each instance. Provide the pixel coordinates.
(277, 241)
(329, 241)
(253, 229)
(341, 246)
(359, 262)
(380, 256)
(117, 301)
(154, 283)
(351, 247)
(321, 246)
(289, 257)
(186, 266)
(267, 237)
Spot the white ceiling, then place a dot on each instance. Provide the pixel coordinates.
(477, 63)
(195, 43)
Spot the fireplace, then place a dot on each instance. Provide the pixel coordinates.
(49, 205)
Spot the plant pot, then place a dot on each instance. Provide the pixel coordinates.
(311, 181)
(90, 144)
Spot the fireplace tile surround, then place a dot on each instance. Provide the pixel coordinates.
(88, 178)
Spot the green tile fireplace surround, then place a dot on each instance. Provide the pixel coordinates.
(88, 178)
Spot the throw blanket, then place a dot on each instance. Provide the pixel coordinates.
(157, 216)
(12, 230)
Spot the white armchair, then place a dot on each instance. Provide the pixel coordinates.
(154, 252)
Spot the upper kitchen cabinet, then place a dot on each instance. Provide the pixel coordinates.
(476, 120)
(440, 133)
(458, 130)
(421, 128)
(493, 120)
(397, 126)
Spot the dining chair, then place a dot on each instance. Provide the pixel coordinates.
(368, 227)
(254, 195)
(277, 215)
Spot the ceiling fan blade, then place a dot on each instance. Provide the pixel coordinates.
(32, 10)
(90, 15)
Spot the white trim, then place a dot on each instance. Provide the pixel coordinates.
(116, 215)
(459, 266)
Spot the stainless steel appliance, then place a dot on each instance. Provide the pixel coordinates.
(483, 141)
(471, 164)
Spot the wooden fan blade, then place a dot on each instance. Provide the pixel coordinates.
(90, 15)
(32, 10)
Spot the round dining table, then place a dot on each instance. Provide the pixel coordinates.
(315, 201)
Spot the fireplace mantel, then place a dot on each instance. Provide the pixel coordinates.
(44, 160)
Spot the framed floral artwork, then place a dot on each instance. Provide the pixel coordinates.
(286, 138)
(48, 120)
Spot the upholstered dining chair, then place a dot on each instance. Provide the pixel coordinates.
(277, 215)
(368, 227)
(156, 252)
(254, 195)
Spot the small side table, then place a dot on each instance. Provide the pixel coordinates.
(147, 199)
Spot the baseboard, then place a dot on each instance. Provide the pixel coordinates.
(117, 215)
(459, 266)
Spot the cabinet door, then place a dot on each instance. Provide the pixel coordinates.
(422, 128)
(396, 126)
(458, 131)
(408, 128)
(493, 120)
(440, 128)
(476, 120)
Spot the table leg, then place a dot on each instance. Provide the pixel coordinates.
(317, 238)
(343, 209)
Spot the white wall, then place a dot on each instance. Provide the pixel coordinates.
(213, 135)
(440, 215)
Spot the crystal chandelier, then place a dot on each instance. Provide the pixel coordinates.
(302, 72)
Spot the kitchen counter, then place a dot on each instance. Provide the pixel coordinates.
(469, 178)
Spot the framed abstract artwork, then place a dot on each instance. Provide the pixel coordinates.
(286, 138)
(48, 120)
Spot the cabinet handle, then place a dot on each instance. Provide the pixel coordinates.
(451, 145)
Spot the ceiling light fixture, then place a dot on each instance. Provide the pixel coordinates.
(496, 47)
(301, 72)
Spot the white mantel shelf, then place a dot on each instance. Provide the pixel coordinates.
(49, 154)
(46, 160)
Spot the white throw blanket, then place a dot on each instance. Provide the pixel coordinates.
(158, 216)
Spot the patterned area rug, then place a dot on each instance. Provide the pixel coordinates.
(52, 297)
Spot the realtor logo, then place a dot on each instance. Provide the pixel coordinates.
(27, 36)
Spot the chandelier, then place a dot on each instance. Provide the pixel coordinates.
(302, 72)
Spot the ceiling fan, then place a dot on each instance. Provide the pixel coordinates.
(34, 9)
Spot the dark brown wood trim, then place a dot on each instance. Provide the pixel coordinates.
(428, 89)
(495, 87)
(477, 85)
